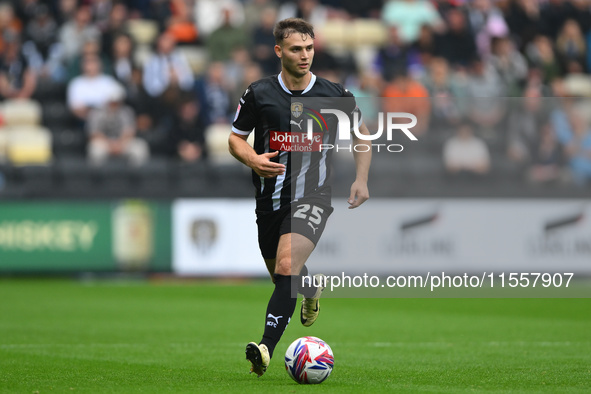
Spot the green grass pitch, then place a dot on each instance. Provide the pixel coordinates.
(152, 337)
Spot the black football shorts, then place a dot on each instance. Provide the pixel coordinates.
(305, 218)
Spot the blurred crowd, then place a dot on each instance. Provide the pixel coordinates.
(145, 78)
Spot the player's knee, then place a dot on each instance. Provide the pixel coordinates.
(283, 266)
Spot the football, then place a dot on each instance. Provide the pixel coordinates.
(309, 360)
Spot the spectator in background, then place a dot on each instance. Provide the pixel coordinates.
(546, 161)
(554, 14)
(253, 13)
(325, 64)
(214, 94)
(112, 132)
(115, 26)
(264, 41)
(424, 47)
(234, 71)
(487, 22)
(361, 9)
(405, 94)
(125, 69)
(90, 47)
(578, 145)
(90, 90)
(457, 43)
(571, 45)
(528, 116)
(187, 137)
(208, 15)
(534, 81)
(65, 10)
(509, 64)
(483, 80)
(486, 92)
(366, 88)
(17, 78)
(156, 10)
(408, 16)
(541, 55)
(41, 42)
(167, 76)
(101, 12)
(9, 24)
(74, 33)
(465, 156)
(581, 13)
(251, 72)
(448, 96)
(180, 24)
(392, 56)
(25, 10)
(42, 30)
(309, 10)
(524, 21)
(222, 41)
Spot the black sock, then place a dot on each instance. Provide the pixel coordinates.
(279, 312)
(305, 285)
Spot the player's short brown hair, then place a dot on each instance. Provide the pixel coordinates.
(287, 27)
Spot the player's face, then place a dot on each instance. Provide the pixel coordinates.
(296, 54)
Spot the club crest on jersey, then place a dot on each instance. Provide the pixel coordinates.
(297, 109)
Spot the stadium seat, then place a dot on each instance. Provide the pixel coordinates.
(191, 179)
(69, 142)
(231, 179)
(152, 178)
(143, 31)
(36, 180)
(367, 32)
(216, 139)
(74, 176)
(56, 115)
(49, 91)
(29, 145)
(197, 57)
(338, 34)
(21, 112)
(578, 85)
(113, 177)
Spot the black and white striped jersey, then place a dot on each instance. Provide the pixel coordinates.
(279, 121)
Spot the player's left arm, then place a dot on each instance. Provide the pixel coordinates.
(359, 190)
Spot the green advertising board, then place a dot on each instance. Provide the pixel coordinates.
(128, 235)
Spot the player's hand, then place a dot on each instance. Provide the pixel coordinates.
(266, 168)
(359, 194)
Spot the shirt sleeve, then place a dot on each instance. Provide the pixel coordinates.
(245, 119)
(352, 109)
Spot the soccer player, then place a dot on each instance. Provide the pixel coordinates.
(293, 199)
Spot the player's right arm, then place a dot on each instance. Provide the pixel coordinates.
(261, 164)
(244, 122)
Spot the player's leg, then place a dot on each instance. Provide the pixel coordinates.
(268, 233)
(285, 261)
(309, 219)
(292, 252)
(270, 263)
